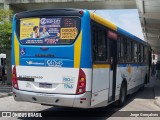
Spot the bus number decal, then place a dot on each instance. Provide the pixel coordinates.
(68, 86)
(68, 79)
(54, 63)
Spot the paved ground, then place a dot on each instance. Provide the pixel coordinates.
(5, 90)
(156, 91)
(140, 101)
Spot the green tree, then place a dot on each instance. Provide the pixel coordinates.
(5, 39)
(5, 29)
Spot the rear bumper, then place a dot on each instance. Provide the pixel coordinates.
(54, 99)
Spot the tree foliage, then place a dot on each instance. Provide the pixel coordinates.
(5, 28)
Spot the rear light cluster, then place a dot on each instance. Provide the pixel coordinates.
(81, 86)
(14, 78)
(81, 12)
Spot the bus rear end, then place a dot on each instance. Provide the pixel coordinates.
(51, 57)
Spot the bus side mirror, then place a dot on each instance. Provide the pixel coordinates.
(153, 57)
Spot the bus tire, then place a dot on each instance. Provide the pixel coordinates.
(123, 94)
(146, 79)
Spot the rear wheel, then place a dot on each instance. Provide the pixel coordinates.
(146, 79)
(123, 93)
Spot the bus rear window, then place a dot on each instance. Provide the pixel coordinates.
(48, 30)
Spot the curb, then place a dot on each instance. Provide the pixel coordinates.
(156, 102)
(156, 99)
(8, 94)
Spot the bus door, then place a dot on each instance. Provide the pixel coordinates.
(113, 68)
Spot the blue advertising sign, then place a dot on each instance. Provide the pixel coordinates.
(50, 27)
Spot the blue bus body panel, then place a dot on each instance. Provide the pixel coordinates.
(131, 64)
(86, 57)
(63, 54)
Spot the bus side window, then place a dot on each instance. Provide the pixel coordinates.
(139, 53)
(125, 49)
(132, 51)
(94, 37)
(99, 43)
(128, 50)
(101, 46)
(135, 52)
(121, 49)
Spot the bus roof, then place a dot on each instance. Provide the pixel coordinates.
(48, 12)
(112, 26)
(72, 12)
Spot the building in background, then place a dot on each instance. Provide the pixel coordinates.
(23, 5)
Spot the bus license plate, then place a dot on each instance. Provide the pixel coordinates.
(45, 85)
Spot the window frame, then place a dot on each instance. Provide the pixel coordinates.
(132, 42)
(132, 50)
(106, 46)
(18, 29)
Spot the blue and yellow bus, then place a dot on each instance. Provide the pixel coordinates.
(74, 58)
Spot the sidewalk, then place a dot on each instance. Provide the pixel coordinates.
(5, 90)
(156, 85)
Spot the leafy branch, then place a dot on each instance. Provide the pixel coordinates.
(5, 28)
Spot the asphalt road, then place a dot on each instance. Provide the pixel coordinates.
(140, 101)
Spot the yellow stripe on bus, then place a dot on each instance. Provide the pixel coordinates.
(101, 66)
(16, 50)
(77, 51)
(103, 21)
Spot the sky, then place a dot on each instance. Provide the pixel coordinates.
(127, 19)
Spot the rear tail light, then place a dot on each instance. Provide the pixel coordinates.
(14, 78)
(81, 12)
(81, 86)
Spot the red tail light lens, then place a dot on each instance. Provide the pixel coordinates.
(81, 12)
(81, 86)
(14, 78)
